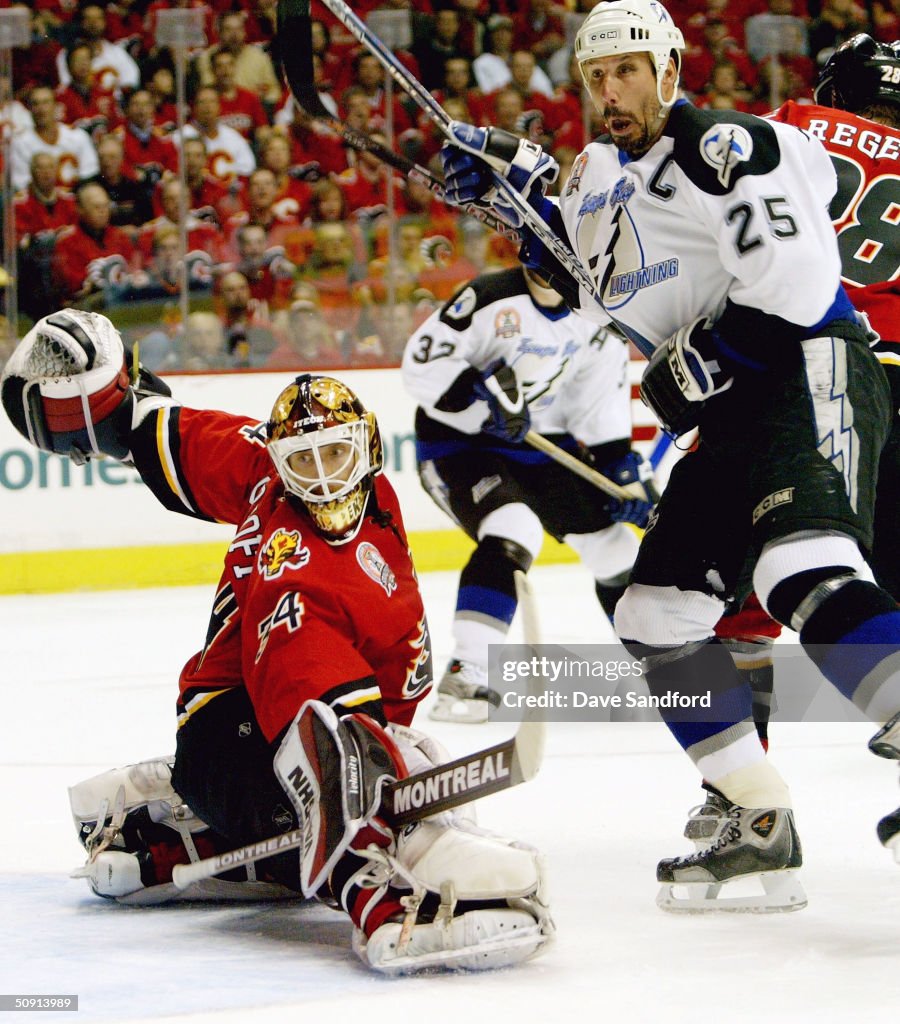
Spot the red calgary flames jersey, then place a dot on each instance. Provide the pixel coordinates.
(865, 210)
(294, 618)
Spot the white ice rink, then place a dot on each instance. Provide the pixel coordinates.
(89, 682)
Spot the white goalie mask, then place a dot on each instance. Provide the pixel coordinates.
(327, 451)
(631, 26)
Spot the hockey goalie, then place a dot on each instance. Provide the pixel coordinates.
(297, 709)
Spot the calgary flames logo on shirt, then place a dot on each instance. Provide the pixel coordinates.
(283, 551)
(375, 567)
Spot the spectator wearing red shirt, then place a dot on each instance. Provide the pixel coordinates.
(540, 29)
(209, 199)
(458, 90)
(365, 185)
(269, 273)
(313, 145)
(239, 108)
(91, 254)
(261, 195)
(83, 103)
(148, 153)
(293, 196)
(42, 208)
(724, 91)
(718, 45)
(201, 235)
(368, 76)
(35, 63)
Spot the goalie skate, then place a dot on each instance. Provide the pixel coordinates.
(463, 695)
(753, 848)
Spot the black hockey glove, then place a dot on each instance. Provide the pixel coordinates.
(682, 374)
(509, 417)
(635, 474)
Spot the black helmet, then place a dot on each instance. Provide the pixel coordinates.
(859, 74)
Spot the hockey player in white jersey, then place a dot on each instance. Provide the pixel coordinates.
(707, 237)
(503, 355)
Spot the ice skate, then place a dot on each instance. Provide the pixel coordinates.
(886, 743)
(705, 820)
(751, 844)
(463, 694)
(889, 833)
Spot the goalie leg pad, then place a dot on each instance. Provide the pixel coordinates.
(333, 770)
(135, 828)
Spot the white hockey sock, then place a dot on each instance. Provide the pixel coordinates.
(755, 785)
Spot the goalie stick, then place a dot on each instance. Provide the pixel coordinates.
(441, 788)
(436, 113)
(295, 44)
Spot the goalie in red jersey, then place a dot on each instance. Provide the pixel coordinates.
(297, 708)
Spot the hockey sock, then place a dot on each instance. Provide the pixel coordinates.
(368, 905)
(609, 591)
(853, 638)
(486, 600)
(703, 670)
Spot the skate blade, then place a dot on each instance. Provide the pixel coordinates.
(466, 711)
(782, 893)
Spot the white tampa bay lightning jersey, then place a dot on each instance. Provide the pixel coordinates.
(723, 206)
(573, 373)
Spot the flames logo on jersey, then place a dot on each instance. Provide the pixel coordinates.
(283, 551)
(375, 567)
(507, 323)
(419, 672)
(725, 146)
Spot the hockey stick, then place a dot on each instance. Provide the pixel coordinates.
(578, 467)
(421, 96)
(441, 788)
(295, 33)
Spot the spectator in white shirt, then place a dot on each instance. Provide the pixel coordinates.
(114, 70)
(72, 147)
(228, 152)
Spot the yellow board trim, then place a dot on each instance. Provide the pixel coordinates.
(182, 565)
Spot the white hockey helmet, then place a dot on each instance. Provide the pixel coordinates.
(631, 26)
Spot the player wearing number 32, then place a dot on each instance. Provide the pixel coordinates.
(298, 707)
(708, 238)
(568, 379)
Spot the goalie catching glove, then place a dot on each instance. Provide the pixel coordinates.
(682, 374)
(67, 387)
(475, 159)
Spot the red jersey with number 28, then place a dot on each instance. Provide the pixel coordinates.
(294, 618)
(865, 209)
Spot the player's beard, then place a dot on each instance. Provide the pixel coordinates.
(650, 124)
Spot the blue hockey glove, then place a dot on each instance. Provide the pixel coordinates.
(635, 474)
(476, 155)
(509, 417)
(682, 374)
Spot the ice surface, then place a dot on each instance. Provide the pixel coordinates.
(88, 683)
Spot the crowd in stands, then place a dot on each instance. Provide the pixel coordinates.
(299, 251)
